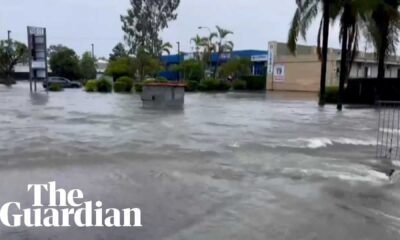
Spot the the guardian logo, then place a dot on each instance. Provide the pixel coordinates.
(65, 209)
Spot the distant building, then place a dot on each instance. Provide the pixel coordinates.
(258, 61)
(302, 72)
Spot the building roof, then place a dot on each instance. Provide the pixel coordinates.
(174, 58)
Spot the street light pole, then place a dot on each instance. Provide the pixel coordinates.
(92, 50)
(179, 59)
(9, 41)
(202, 27)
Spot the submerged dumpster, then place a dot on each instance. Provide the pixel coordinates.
(163, 95)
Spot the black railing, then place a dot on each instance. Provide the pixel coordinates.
(388, 137)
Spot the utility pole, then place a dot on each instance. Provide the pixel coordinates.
(93, 50)
(8, 53)
(179, 58)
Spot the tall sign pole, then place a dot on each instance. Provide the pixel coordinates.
(37, 45)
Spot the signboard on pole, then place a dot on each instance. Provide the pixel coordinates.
(37, 45)
(271, 59)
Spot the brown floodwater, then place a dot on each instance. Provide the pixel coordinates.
(228, 166)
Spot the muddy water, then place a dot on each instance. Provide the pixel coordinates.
(228, 166)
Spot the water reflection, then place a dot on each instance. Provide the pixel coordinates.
(38, 98)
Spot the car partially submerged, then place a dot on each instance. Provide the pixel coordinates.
(64, 82)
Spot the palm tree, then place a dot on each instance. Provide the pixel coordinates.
(383, 30)
(353, 15)
(209, 48)
(306, 12)
(198, 42)
(222, 45)
(163, 47)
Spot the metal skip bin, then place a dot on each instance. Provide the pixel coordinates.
(163, 95)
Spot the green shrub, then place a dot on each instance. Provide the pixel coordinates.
(127, 81)
(104, 86)
(255, 82)
(138, 87)
(192, 86)
(239, 85)
(224, 86)
(162, 80)
(55, 87)
(91, 86)
(149, 81)
(212, 84)
(119, 87)
(331, 94)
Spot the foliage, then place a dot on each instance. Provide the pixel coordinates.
(222, 45)
(10, 56)
(192, 86)
(213, 84)
(65, 63)
(255, 83)
(144, 21)
(162, 79)
(55, 87)
(126, 82)
(120, 87)
(147, 65)
(163, 47)
(123, 66)
(191, 70)
(91, 86)
(331, 94)
(138, 87)
(236, 68)
(118, 51)
(383, 30)
(239, 85)
(104, 86)
(88, 66)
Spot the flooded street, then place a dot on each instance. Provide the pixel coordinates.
(228, 166)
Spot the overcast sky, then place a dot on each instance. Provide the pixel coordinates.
(78, 23)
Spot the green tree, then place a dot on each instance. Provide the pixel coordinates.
(147, 64)
(383, 30)
(10, 55)
(65, 63)
(236, 68)
(192, 70)
(352, 14)
(199, 43)
(118, 52)
(88, 66)
(306, 12)
(121, 67)
(144, 21)
(163, 47)
(222, 45)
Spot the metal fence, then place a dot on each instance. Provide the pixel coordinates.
(388, 140)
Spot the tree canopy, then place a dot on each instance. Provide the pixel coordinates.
(88, 66)
(11, 55)
(64, 62)
(144, 21)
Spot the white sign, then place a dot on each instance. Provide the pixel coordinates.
(279, 73)
(270, 66)
(37, 31)
(259, 58)
(38, 65)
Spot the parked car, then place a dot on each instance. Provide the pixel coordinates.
(64, 82)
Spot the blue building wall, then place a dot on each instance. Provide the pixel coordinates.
(258, 67)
